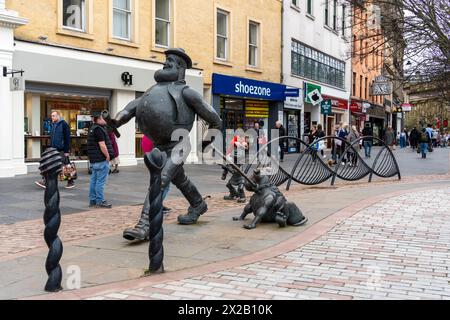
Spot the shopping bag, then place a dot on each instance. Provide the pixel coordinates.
(69, 170)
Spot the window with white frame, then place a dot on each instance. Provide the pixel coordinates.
(253, 38)
(162, 23)
(309, 7)
(295, 3)
(74, 14)
(122, 19)
(326, 13)
(222, 34)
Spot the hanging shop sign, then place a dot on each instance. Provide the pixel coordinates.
(16, 84)
(381, 86)
(406, 107)
(313, 93)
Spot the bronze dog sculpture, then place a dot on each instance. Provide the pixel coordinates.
(268, 204)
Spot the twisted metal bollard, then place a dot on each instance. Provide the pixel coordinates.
(155, 162)
(50, 167)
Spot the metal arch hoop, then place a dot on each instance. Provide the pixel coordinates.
(385, 164)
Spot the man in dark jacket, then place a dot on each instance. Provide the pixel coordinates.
(414, 138)
(367, 142)
(60, 139)
(100, 152)
(281, 142)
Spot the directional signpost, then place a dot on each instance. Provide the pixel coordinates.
(325, 107)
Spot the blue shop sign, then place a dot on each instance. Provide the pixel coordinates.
(242, 87)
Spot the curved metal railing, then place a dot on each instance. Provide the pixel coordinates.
(311, 169)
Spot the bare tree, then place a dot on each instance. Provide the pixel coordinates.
(411, 34)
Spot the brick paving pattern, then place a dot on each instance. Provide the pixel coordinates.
(395, 249)
(27, 235)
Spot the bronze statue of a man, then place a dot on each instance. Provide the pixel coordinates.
(167, 106)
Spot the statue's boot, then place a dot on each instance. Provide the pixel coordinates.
(241, 194)
(233, 194)
(193, 214)
(197, 204)
(140, 231)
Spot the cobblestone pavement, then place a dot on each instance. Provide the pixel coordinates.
(24, 236)
(397, 248)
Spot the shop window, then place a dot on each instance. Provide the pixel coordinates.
(222, 35)
(313, 64)
(122, 19)
(74, 14)
(75, 111)
(162, 22)
(253, 40)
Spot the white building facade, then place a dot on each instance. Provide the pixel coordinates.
(316, 58)
(11, 103)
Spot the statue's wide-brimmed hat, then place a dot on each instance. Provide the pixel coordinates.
(182, 54)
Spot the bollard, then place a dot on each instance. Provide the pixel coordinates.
(155, 162)
(50, 167)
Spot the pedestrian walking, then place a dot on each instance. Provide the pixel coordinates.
(402, 139)
(424, 142)
(281, 142)
(429, 130)
(414, 138)
(367, 140)
(389, 138)
(100, 153)
(335, 145)
(352, 137)
(60, 140)
(320, 145)
(343, 133)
